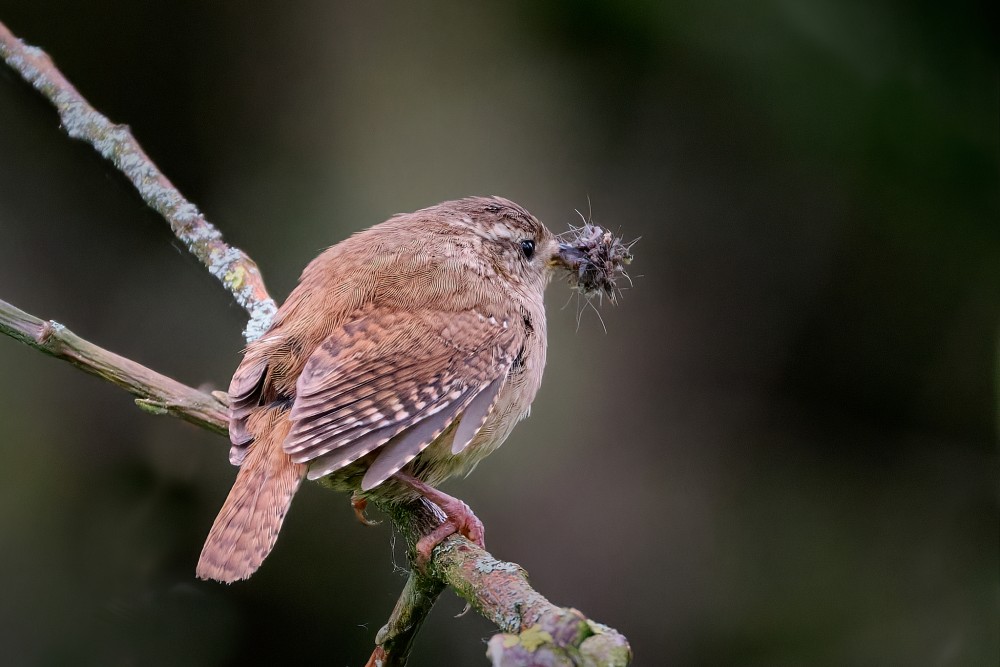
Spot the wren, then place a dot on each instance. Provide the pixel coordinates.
(406, 354)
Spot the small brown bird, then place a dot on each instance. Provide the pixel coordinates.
(405, 355)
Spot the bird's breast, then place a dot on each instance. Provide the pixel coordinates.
(513, 403)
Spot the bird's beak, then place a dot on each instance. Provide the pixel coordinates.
(569, 257)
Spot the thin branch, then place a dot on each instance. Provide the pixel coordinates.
(394, 641)
(80, 120)
(536, 631)
(154, 392)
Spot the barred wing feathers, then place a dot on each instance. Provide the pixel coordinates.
(394, 382)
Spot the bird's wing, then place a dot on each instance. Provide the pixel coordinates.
(395, 381)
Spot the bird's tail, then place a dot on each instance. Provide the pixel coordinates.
(248, 524)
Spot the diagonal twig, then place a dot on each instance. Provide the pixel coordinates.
(154, 392)
(80, 120)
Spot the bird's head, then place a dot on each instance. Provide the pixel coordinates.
(519, 249)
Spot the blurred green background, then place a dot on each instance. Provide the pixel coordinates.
(783, 451)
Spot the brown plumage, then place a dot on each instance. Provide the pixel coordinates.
(406, 354)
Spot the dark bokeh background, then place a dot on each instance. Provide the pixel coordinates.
(783, 451)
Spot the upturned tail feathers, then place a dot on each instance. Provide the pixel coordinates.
(247, 526)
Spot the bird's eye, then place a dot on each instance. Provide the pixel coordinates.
(528, 248)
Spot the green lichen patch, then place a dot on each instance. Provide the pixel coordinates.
(488, 565)
(534, 637)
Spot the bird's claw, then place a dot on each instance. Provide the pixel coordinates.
(359, 505)
(459, 518)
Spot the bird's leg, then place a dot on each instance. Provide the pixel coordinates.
(458, 519)
(359, 504)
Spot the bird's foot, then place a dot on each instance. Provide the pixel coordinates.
(359, 504)
(459, 518)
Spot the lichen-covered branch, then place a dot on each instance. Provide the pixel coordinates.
(536, 632)
(230, 265)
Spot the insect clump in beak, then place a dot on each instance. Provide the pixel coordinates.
(595, 260)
